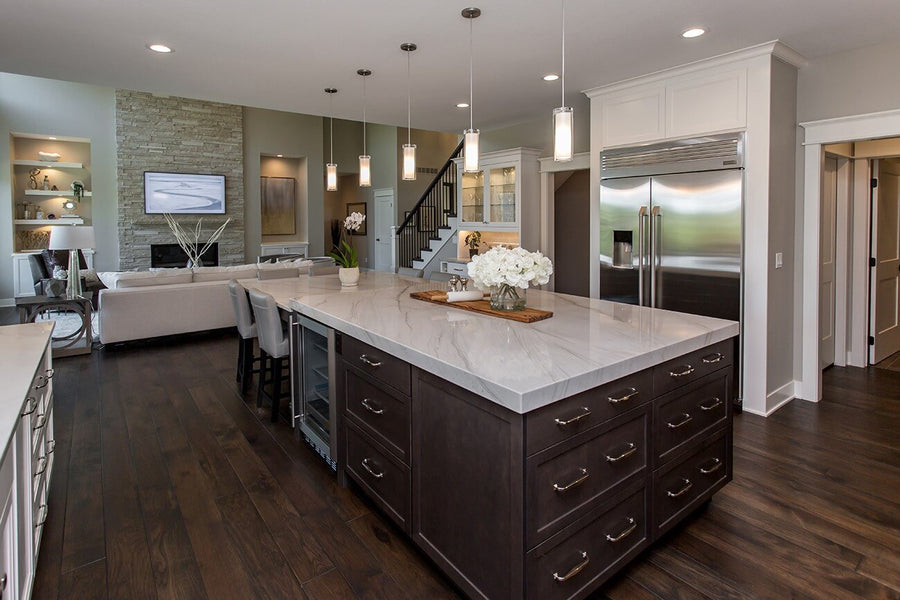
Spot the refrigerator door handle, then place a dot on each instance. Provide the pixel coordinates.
(655, 226)
(641, 214)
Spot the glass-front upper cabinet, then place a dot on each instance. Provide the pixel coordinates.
(493, 197)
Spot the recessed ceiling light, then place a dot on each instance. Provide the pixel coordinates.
(462, 105)
(279, 156)
(551, 77)
(50, 137)
(161, 48)
(693, 32)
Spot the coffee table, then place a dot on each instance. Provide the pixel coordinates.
(66, 344)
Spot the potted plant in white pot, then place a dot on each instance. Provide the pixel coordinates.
(473, 240)
(345, 255)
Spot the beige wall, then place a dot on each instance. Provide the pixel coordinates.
(432, 151)
(60, 108)
(538, 134)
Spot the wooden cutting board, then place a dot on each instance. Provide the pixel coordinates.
(526, 315)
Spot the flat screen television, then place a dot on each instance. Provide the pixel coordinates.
(184, 193)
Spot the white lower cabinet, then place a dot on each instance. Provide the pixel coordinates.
(8, 553)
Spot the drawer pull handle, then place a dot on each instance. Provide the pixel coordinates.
(684, 490)
(629, 450)
(43, 516)
(574, 571)
(372, 472)
(628, 395)
(41, 421)
(713, 358)
(368, 406)
(42, 466)
(685, 419)
(716, 465)
(51, 446)
(685, 370)
(625, 532)
(564, 423)
(50, 373)
(372, 363)
(565, 488)
(33, 405)
(715, 404)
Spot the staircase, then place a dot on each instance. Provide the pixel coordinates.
(431, 224)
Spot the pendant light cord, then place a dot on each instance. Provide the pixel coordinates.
(408, 101)
(364, 114)
(331, 127)
(471, 96)
(563, 74)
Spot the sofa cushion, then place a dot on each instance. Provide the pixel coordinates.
(131, 279)
(224, 273)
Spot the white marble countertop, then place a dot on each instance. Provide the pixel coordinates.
(521, 366)
(21, 349)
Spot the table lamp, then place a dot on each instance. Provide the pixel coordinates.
(72, 238)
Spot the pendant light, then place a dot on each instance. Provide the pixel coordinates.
(331, 167)
(470, 159)
(365, 171)
(409, 149)
(562, 116)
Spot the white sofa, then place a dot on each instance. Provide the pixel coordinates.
(138, 305)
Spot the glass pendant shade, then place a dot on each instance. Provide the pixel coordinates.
(365, 172)
(331, 177)
(562, 134)
(470, 151)
(409, 162)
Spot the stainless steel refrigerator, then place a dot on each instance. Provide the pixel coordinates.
(670, 226)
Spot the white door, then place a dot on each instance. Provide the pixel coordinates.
(826, 263)
(884, 283)
(384, 219)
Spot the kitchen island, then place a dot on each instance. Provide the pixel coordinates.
(527, 460)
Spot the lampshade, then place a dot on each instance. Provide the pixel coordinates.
(331, 177)
(365, 172)
(562, 133)
(409, 162)
(470, 151)
(71, 237)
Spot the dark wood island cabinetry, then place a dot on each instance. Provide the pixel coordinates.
(543, 505)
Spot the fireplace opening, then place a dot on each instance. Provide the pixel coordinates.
(164, 256)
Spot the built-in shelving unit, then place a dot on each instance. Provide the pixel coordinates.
(55, 193)
(47, 164)
(42, 222)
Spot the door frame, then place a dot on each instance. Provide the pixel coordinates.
(548, 167)
(816, 135)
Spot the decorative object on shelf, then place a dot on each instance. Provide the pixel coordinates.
(51, 216)
(473, 239)
(69, 207)
(46, 183)
(32, 178)
(563, 115)
(507, 272)
(32, 239)
(78, 190)
(49, 156)
(39, 214)
(72, 238)
(409, 149)
(470, 159)
(357, 208)
(191, 247)
(183, 193)
(331, 168)
(345, 255)
(54, 189)
(365, 161)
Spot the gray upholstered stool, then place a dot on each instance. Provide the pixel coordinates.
(247, 330)
(274, 346)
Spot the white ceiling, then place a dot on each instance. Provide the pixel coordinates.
(281, 53)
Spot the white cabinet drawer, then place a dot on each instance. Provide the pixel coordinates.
(455, 268)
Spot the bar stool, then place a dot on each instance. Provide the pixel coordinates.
(274, 346)
(247, 330)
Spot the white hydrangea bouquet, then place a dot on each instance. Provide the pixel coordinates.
(507, 272)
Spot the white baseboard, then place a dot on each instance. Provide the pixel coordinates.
(7, 301)
(780, 397)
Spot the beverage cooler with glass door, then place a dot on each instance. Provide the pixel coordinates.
(313, 409)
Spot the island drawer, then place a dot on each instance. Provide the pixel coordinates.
(690, 413)
(579, 558)
(380, 412)
(567, 480)
(691, 367)
(377, 363)
(385, 480)
(685, 484)
(564, 419)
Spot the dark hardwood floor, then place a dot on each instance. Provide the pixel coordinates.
(169, 484)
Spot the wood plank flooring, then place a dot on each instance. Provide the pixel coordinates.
(169, 485)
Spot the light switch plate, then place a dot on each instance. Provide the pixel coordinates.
(779, 260)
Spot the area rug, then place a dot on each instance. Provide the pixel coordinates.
(68, 323)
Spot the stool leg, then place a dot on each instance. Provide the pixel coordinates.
(239, 374)
(276, 387)
(263, 369)
(247, 366)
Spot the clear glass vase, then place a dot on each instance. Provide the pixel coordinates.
(507, 298)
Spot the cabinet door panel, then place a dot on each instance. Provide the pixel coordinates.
(633, 116)
(706, 104)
